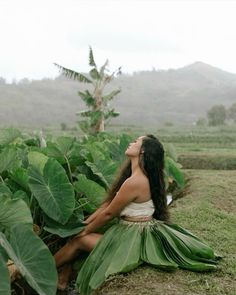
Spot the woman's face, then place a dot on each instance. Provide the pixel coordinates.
(134, 147)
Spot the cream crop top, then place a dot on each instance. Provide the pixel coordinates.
(139, 209)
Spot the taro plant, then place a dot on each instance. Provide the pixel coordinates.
(51, 188)
(92, 120)
(18, 242)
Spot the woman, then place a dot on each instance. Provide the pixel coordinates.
(143, 233)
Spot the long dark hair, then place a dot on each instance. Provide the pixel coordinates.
(151, 162)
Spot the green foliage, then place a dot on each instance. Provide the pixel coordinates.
(5, 278)
(19, 243)
(216, 115)
(232, 112)
(201, 122)
(13, 211)
(52, 190)
(31, 257)
(8, 135)
(54, 187)
(98, 110)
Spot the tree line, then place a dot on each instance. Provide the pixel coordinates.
(218, 115)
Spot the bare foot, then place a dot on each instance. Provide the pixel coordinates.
(63, 277)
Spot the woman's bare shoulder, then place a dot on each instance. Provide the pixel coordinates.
(137, 181)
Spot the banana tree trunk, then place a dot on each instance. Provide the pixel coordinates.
(99, 126)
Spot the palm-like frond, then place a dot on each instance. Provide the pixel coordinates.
(102, 69)
(111, 95)
(91, 58)
(72, 74)
(87, 98)
(94, 74)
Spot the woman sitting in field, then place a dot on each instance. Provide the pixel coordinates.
(143, 233)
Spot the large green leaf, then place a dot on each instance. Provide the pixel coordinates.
(32, 258)
(87, 97)
(72, 227)
(9, 159)
(4, 189)
(92, 190)
(20, 176)
(117, 148)
(100, 162)
(60, 150)
(13, 211)
(172, 170)
(5, 278)
(8, 135)
(37, 160)
(53, 191)
(65, 144)
(22, 195)
(104, 170)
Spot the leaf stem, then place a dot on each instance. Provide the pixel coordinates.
(69, 170)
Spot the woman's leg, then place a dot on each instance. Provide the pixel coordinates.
(64, 256)
(63, 276)
(71, 249)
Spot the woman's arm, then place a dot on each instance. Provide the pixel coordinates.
(127, 193)
(97, 212)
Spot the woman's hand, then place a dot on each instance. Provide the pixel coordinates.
(82, 233)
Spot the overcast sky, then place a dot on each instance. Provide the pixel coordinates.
(134, 34)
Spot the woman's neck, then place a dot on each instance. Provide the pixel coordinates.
(135, 165)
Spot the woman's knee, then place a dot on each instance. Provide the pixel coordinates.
(88, 242)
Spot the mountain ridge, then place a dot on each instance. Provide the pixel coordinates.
(179, 96)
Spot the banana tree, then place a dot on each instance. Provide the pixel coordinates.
(93, 119)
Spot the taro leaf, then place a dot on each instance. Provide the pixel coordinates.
(76, 159)
(37, 160)
(13, 211)
(53, 191)
(20, 176)
(117, 149)
(9, 159)
(100, 163)
(65, 144)
(4, 189)
(22, 195)
(53, 151)
(93, 191)
(104, 169)
(172, 170)
(72, 227)
(61, 149)
(5, 278)
(8, 135)
(32, 258)
(87, 206)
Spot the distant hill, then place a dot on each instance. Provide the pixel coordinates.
(179, 96)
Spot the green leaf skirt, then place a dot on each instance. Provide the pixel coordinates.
(126, 245)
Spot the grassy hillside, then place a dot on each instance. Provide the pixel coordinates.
(151, 98)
